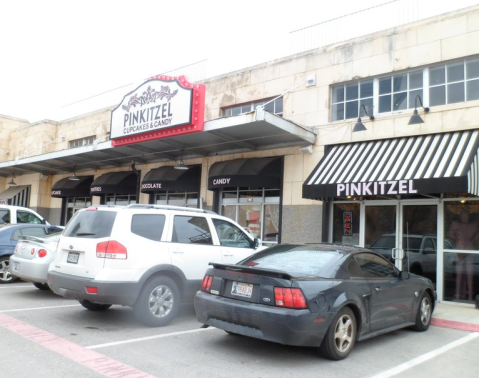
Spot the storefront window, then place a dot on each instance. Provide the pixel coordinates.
(461, 257)
(346, 223)
(257, 211)
(177, 199)
(120, 199)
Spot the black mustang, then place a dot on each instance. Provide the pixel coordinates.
(323, 295)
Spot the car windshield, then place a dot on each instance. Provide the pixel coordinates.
(90, 224)
(297, 261)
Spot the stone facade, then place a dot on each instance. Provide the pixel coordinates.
(427, 42)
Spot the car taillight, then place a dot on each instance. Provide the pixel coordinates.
(91, 290)
(111, 250)
(291, 298)
(42, 253)
(206, 284)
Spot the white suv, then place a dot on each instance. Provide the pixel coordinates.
(145, 256)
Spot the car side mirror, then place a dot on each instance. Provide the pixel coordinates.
(404, 275)
(256, 243)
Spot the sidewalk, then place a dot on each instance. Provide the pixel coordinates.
(456, 316)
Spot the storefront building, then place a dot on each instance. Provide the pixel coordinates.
(324, 145)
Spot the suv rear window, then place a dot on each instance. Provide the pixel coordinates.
(91, 224)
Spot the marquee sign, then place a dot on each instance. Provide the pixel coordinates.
(159, 108)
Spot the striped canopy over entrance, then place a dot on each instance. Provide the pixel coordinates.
(426, 164)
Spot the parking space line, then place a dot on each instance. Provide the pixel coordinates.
(17, 287)
(95, 361)
(425, 357)
(38, 308)
(149, 338)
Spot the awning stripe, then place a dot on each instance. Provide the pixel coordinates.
(427, 157)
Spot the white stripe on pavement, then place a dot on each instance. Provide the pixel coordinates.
(419, 360)
(17, 287)
(39, 308)
(149, 338)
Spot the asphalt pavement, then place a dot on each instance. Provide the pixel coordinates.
(44, 335)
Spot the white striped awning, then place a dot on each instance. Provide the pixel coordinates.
(426, 164)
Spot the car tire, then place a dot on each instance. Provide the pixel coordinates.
(5, 275)
(158, 302)
(340, 337)
(424, 313)
(41, 286)
(94, 306)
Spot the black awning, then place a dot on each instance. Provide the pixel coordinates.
(170, 179)
(251, 173)
(72, 188)
(115, 183)
(426, 164)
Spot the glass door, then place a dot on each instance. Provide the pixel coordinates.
(380, 228)
(405, 233)
(419, 239)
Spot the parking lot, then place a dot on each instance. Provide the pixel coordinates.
(44, 335)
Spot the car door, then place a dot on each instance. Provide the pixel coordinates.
(391, 297)
(235, 244)
(191, 248)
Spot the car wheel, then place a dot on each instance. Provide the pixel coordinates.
(424, 312)
(41, 286)
(340, 337)
(158, 302)
(94, 306)
(5, 275)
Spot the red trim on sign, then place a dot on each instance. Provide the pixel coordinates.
(456, 325)
(106, 366)
(197, 115)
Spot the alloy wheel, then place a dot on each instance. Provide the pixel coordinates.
(161, 301)
(344, 333)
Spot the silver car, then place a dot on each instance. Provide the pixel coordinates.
(32, 257)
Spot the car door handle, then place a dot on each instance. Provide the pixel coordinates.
(377, 288)
(178, 252)
(228, 255)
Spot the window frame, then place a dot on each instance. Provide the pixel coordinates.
(411, 93)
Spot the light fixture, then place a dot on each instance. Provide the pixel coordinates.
(12, 183)
(416, 118)
(73, 177)
(359, 125)
(181, 163)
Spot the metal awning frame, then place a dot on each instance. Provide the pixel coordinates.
(227, 135)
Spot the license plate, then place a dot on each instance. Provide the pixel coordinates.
(242, 289)
(16, 266)
(73, 257)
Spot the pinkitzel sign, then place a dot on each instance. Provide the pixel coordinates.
(159, 108)
(376, 188)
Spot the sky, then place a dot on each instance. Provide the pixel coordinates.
(64, 58)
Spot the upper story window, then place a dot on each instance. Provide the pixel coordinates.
(82, 142)
(437, 85)
(275, 107)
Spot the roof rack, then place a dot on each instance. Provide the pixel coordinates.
(169, 207)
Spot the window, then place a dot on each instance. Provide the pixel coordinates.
(33, 231)
(27, 217)
(230, 235)
(374, 266)
(88, 141)
(348, 100)
(174, 198)
(191, 230)
(275, 107)
(399, 92)
(149, 226)
(438, 85)
(91, 224)
(4, 216)
(257, 211)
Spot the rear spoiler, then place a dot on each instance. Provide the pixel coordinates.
(32, 238)
(252, 270)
